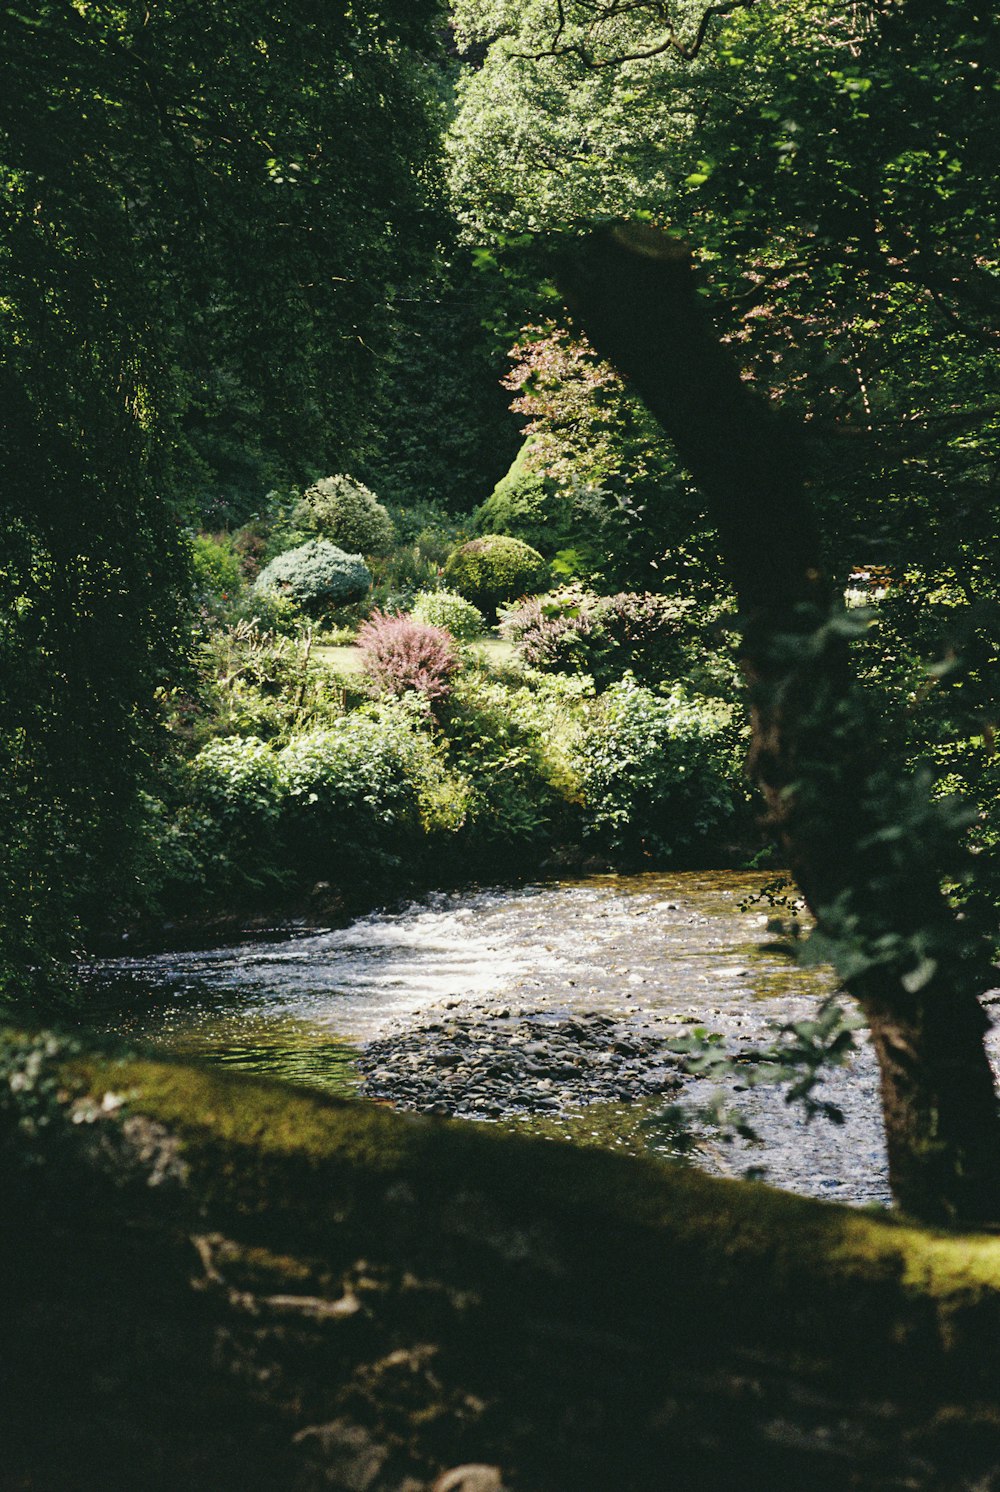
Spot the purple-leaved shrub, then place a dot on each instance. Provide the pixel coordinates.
(401, 655)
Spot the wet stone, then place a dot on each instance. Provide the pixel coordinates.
(491, 1064)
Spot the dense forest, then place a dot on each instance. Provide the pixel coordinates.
(458, 444)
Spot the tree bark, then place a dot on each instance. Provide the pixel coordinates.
(867, 853)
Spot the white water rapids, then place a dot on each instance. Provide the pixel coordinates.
(674, 949)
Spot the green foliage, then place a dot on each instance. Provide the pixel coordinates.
(250, 682)
(512, 743)
(659, 774)
(558, 631)
(184, 199)
(347, 513)
(400, 577)
(527, 505)
(495, 569)
(652, 637)
(818, 155)
(317, 576)
(441, 432)
(346, 801)
(362, 793)
(216, 567)
(447, 609)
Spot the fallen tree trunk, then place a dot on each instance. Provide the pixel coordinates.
(868, 853)
(219, 1283)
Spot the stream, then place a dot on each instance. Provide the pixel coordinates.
(546, 1006)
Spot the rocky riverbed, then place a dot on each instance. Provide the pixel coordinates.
(548, 1007)
(495, 1062)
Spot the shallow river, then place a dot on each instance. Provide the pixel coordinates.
(651, 951)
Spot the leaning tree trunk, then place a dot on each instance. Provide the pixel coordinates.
(869, 853)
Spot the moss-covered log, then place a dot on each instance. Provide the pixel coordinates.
(213, 1282)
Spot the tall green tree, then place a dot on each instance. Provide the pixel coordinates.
(835, 165)
(205, 211)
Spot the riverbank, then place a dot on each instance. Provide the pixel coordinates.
(219, 1283)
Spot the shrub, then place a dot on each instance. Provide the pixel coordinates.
(347, 513)
(451, 611)
(361, 793)
(660, 774)
(236, 779)
(402, 655)
(495, 569)
(218, 573)
(554, 632)
(511, 745)
(234, 814)
(643, 633)
(316, 576)
(527, 505)
(429, 528)
(255, 683)
(401, 576)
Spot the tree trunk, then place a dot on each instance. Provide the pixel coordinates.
(868, 853)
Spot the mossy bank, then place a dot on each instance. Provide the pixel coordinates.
(215, 1282)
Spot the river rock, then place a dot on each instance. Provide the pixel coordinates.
(490, 1063)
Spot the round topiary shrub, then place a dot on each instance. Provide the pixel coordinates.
(495, 569)
(401, 655)
(316, 576)
(347, 513)
(451, 611)
(527, 505)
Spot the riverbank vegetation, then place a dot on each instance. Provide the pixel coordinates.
(439, 430)
(341, 557)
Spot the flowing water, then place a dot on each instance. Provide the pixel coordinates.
(679, 950)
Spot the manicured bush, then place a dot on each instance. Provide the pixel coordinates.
(451, 611)
(402, 655)
(316, 576)
(347, 513)
(660, 774)
(495, 569)
(527, 505)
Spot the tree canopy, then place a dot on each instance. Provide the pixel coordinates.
(207, 213)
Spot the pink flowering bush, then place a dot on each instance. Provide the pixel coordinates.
(400, 655)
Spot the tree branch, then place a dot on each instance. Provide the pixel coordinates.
(688, 51)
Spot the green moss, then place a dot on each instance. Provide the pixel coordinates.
(237, 1133)
(448, 1292)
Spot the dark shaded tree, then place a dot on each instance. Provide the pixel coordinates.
(871, 854)
(203, 209)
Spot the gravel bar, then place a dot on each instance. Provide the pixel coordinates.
(493, 1062)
